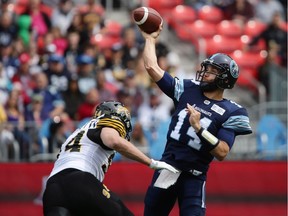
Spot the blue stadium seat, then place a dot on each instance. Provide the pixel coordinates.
(271, 138)
(157, 139)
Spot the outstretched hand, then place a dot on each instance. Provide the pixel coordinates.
(162, 165)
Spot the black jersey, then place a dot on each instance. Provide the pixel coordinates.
(225, 119)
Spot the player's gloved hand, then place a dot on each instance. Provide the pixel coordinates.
(162, 165)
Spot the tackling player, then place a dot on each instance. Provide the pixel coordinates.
(74, 186)
(203, 126)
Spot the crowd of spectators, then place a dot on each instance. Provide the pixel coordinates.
(56, 66)
(54, 72)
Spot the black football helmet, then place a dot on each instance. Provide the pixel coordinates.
(115, 110)
(228, 72)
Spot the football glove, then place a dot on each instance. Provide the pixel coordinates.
(162, 165)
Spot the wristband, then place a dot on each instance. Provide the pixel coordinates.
(207, 139)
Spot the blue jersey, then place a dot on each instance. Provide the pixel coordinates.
(225, 119)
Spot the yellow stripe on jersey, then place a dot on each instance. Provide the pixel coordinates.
(113, 123)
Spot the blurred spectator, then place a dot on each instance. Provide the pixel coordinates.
(72, 51)
(50, 3)
(240, 11)
(141, 77)
(265, 10)
(40, 20)
(33, 110)
(174, 66)
(46, 47)
(23, 78)
(130, 48)
(57, 135)
(19, 47)
(131, 25)
(92, 17)
(62, 15)
(8, 6)
(34, 55)
(59, 40)
(8, 29)
(275, 38)
(125, 98)
(270, 69)
(152, 112)
(135, 91)
(87, 108)
(73, 98)
(197, 4)
(138, 138)
(76, 23)
(107, 90)
(7, 140)
(162, 49)
(56, 72)
(86, 73)
(34, 122)
(53, 103)
(9, 61)
(24, 30)
(115, 65)
(16, 120)
(91, 6)
(98, 56)
(5, 85)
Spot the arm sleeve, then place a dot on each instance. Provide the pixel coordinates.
(238, 122)
(172, 87)
(226, 135)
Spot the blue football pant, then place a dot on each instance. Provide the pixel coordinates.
(189, 190)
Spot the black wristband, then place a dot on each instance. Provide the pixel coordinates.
(207, 139)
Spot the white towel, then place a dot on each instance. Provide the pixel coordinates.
(166, 179)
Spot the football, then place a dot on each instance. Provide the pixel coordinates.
(147, 19)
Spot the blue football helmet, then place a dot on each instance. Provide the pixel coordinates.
(228, 72)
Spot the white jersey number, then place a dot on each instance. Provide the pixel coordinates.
(194, 142)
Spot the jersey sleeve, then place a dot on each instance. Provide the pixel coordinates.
(172, 87)
(238, 122)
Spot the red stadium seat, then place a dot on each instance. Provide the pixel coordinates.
(222, 44)
(247, 78)
(249, 60)
(203, 28)
(113, 28)
(184, 33)
(229, 28)
(164, 7)
(182, 14)
(253, 28)
(164, 4)
(245, 39)
(104, 41)
(249, 63)
(196, 30)
(210, 13)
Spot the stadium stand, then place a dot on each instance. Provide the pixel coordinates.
(193, 34)
(23, 177)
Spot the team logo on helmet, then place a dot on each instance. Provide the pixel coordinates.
(234, 70)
